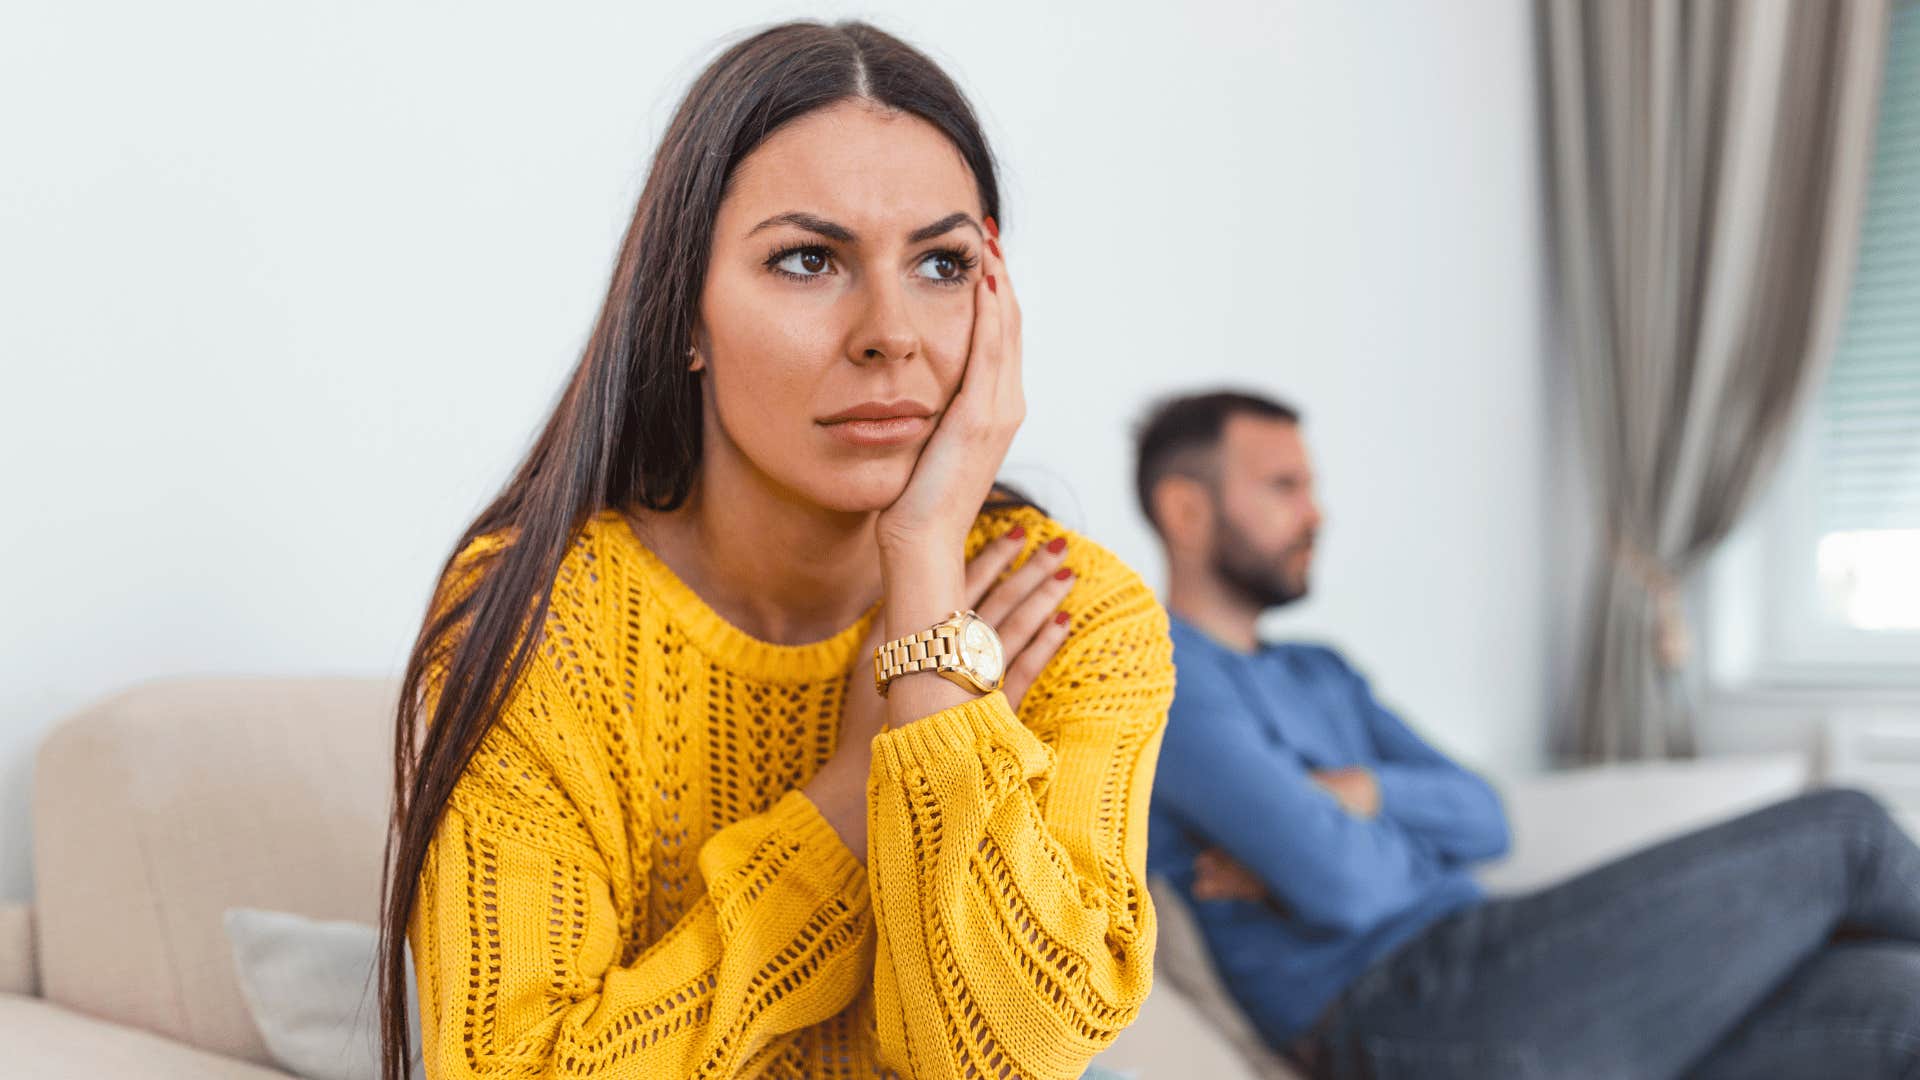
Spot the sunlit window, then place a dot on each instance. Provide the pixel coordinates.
(1867, 481)
(1870, 578)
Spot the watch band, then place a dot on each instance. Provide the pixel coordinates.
(932, 649)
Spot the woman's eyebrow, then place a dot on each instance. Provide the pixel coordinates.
(945, 224)
(808, 222)
(832, 231)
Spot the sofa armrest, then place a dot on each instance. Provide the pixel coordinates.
(19, 973)
(1565, 823)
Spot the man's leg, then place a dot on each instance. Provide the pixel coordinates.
(1852, 1010)
(1639, 968)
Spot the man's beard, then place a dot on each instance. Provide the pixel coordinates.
(1261, 583)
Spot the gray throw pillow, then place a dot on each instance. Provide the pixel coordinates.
(309, 984)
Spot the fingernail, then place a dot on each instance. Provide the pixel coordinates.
(993, 230)
(991, 287)
(1016, 532)
(1059, 543)
(1061, 618)
(994, 247)
(1062, 574)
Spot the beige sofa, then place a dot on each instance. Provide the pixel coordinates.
(155, 810)
(160, 807)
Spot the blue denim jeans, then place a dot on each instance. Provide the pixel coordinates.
(1785, 943)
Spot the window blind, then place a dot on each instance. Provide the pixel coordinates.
(1870, 409)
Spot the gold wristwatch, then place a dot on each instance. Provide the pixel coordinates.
(960, 647)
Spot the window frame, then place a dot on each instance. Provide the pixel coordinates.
(1765, 626)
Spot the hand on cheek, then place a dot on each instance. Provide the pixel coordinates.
(923, 534)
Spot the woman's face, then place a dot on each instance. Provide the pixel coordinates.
(842, 275)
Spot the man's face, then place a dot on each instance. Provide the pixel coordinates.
(1265, 513)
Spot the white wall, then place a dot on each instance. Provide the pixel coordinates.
(289, 287)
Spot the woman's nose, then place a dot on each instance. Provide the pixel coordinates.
(886, 329)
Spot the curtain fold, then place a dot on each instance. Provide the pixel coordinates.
(1707, 165)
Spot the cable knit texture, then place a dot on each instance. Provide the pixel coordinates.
(627, 882)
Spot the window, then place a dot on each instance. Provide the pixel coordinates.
(1868, 553)
(1833, 555)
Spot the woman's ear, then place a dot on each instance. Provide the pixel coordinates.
(696, 356)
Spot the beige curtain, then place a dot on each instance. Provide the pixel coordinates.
(1707, 165)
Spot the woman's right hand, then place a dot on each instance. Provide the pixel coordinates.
(1023, 607)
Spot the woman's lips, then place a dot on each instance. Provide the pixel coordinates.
(889, 432)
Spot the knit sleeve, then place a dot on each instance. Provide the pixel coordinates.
(523, 967)
(1007, 855)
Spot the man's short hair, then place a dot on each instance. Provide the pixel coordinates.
(1179, 435)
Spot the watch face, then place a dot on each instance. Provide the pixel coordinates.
(980, 650)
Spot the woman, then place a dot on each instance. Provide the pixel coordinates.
(680, 831)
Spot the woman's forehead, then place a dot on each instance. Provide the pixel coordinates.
(878, 173)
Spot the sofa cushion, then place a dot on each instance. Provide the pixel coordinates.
(47, 1042)
(161, 807)
(1181, 961)
(309, 984)
(17, 974)
(1173, 1038)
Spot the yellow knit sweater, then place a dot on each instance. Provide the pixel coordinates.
(627, 882)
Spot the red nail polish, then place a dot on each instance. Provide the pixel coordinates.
(1059, 543)
(993, 230)
(994, 247)
(1062, 574)
(1016, 532)
(991, 287)
(1061, 618)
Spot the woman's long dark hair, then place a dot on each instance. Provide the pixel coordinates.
(626, 430)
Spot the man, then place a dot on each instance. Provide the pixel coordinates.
(1327, 850)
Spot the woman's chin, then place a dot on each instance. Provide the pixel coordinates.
(864, 489)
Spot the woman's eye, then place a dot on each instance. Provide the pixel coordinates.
(941, 266)
(805, 262)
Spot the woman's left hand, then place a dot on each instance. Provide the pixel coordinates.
(928, 523)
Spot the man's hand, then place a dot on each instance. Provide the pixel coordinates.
(1217, 877)
(1355, 788)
